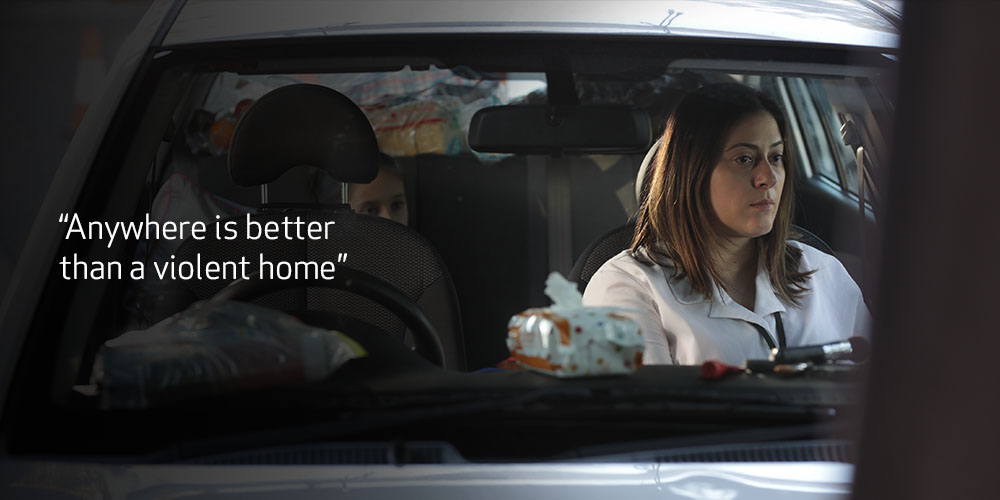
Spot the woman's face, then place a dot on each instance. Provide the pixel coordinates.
(745, 186)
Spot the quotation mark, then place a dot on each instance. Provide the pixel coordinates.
(63, 217)
(341, 258)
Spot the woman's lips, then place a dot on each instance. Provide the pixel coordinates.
(765, 204)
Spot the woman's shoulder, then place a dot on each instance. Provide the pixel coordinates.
(627, 266)
(624, 274)
(622, 262)
(825, 267)
(814, 258)
(833, 286)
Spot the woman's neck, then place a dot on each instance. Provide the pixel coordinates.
(737, 266)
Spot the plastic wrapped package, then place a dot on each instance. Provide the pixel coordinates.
(213, 348)
(571, 340)
(373, 88)
(412, 112)
(408, 128)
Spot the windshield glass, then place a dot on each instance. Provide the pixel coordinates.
(440, 235)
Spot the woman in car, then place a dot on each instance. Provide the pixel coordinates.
(711, 273)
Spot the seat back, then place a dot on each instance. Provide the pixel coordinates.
(602, 249)
(380, 247)
(309, 125)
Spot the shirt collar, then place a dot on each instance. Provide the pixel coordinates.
(767, 301)
(722, 305)
(682, 288)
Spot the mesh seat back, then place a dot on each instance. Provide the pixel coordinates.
(380, 247)
(594, 256)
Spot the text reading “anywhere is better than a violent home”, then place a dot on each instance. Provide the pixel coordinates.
(198, 267)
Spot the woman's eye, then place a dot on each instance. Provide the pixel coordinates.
(370, 210)
(778, 159)
(745, 160)
(397, 205)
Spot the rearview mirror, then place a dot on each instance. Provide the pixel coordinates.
(545, 129)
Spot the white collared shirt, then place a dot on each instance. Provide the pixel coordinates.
(683, 327)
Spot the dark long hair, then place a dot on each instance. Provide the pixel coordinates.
(676, 224)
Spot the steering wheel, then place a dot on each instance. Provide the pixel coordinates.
(425, 337)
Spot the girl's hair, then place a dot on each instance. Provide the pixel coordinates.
(384, 162)
(677, 226)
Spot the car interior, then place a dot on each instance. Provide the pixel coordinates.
(517, 161)
(523, 212)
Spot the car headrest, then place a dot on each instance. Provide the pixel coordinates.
(640, 178)
(303, 125)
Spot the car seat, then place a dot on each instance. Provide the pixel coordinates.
(618, 239)
(310, 125)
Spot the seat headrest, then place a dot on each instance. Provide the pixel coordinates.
(303, 125)
(640, 178)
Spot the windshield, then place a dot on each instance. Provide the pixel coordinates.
(439, 236)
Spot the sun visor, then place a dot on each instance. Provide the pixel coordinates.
(545, 129)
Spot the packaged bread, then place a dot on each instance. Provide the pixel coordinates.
(409, 128)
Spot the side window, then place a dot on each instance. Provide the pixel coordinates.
(831, 123)
(814, 131)
(821, 105)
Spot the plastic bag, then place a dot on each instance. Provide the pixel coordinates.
(571, 340)
(213, 348)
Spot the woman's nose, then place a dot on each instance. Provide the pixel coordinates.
(764, 176)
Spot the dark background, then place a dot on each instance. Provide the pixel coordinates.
(43, 46)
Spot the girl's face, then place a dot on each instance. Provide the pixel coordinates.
(745, 186)
(382, 197)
